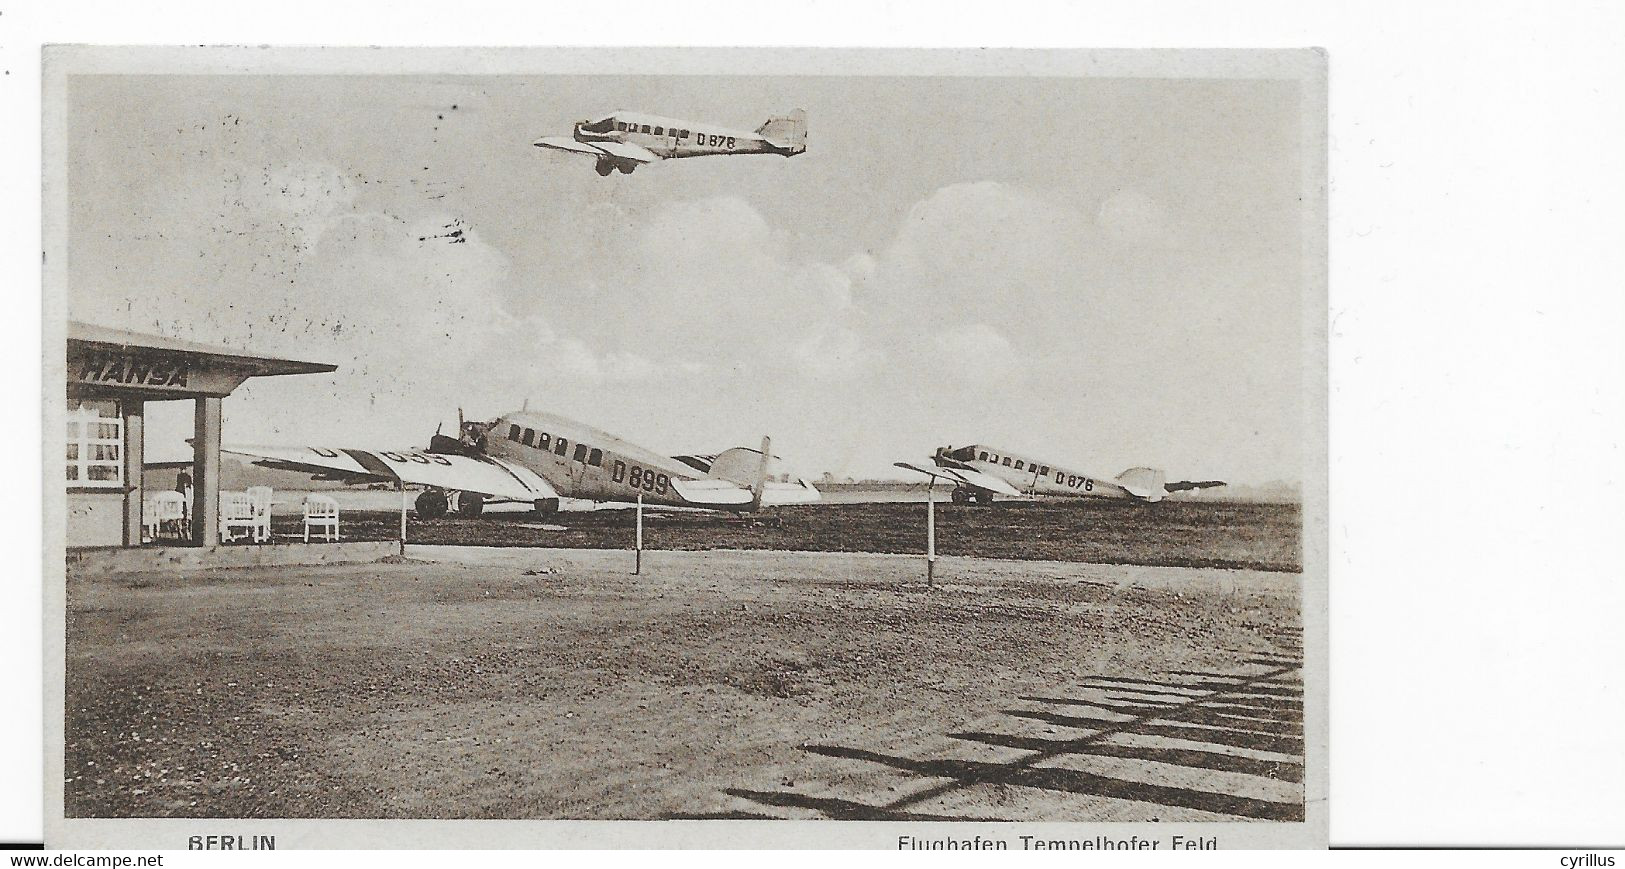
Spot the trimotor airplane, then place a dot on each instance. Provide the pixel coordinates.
(979, 472)
(539, 458)
(625, 140)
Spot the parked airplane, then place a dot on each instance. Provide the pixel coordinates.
(979, 472)
(625, 140)
(538, 458)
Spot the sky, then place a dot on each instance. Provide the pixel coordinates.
(1100, 272)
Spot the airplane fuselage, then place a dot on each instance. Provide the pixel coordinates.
(582, 462)
(674, 138)
(1036, 477)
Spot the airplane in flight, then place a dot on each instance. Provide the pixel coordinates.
(979, 472)
(626, 140)
(538, 458)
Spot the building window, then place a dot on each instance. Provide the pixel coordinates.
(513, 432)
(529, 437)
(581, 452)
(596, 459)
(560, 446)
(544, 441)
(95, 444)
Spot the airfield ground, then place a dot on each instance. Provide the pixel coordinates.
(1251, 536)
(470, 682)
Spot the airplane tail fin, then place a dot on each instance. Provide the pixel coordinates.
(741, 466)
(760, 483)
(788, 132)
(1143, 482)
(737, 465)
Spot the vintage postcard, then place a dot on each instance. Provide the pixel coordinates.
(906, 449)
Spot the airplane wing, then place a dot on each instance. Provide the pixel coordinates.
(617, 150)
(485, 476)
(1184, 485)
(565, 143)
(715, 492)
(974, 479)
(712, 493)
(798, 492)
(627, 151)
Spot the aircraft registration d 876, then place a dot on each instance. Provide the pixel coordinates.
(979, 472)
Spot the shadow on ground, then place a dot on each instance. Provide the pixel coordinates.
(1247, 726)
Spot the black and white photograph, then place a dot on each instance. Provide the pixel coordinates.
(778, 436)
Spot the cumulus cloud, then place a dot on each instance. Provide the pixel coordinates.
(1132, 216)
(833, 352)
(690, 306)
(573, 358)
(710, 282)
(417, 317)
(976, 353)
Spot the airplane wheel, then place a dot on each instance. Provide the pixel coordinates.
(959, 496)
(604, 168)
(984, 498)
(470, 504)
(431, 504)
(626, 168)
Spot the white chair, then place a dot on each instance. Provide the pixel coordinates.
(260, 497)
(237, 511)
(168, 513)
(149, 520)
(322, 512)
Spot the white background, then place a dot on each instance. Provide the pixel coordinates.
(1476, 311)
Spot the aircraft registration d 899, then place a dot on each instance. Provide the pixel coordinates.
(539, 458)
(625, 140)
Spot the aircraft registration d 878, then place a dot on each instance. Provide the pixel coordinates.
(625, 140)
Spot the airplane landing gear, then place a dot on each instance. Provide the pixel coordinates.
(605, 167)
(469, 504)
(431, 504)
(626, 168)
(964, 495)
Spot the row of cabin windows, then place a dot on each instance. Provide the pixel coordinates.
(1019, 464)
(560, 446)
(644, 128)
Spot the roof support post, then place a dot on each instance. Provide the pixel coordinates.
(206, 471)
(133, 410)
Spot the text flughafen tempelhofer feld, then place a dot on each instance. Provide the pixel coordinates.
(1045, 843)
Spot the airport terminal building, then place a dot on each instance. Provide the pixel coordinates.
(111, 376)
